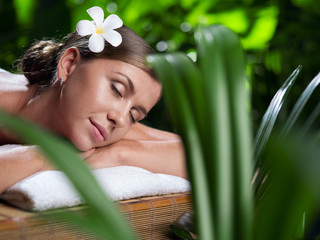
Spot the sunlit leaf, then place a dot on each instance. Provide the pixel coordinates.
(263, 29)
(24, 10)
(235, 19)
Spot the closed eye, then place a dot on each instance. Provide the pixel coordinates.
(135, 115)
(133, 120)
(114, 89)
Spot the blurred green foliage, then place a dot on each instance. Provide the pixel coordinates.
(219, 154)
(277, 35)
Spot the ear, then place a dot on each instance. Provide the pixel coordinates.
(68, 62)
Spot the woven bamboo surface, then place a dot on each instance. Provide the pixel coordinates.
(149, 217)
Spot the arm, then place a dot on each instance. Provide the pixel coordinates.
(18, 163)
(155, 150)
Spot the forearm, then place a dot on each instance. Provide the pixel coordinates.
(156, 156)
(155, 150)
(18, 163)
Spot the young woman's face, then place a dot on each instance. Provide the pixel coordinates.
(102, 99)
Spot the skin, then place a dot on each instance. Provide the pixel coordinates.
(108, 99)
(97, 108)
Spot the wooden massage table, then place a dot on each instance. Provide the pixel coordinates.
(149, 218)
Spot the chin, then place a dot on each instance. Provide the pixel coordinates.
(84, 149)
(82, 145)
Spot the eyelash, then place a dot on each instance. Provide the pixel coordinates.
(116, 90)
(133, 120)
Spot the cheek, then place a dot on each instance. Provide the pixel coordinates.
(155, 94)
(85, 96)
(118, 134)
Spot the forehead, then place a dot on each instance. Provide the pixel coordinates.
(145, 87)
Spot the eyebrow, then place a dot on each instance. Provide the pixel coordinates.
(132, 90)
(131, 86)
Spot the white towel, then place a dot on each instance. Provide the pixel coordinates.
(51, 189)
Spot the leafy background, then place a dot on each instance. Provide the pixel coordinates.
(277, 35)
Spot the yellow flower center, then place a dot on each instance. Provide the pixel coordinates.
(99, 30)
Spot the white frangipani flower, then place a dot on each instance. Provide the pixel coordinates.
(101, 29)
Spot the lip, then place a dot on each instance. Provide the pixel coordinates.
(99, 131)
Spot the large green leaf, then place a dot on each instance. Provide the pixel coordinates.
(218, 147)
(208, 108)
(176, 72)
(67, 159)
(221, 60)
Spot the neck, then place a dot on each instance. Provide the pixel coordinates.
(41, 108)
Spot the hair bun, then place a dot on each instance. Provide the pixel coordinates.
(40, 62)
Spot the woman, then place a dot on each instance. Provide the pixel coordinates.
(93, 93)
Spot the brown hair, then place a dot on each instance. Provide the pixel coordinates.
(40, 61)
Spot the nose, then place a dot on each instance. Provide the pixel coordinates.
(119, 115)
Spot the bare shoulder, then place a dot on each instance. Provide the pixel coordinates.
(142, 132)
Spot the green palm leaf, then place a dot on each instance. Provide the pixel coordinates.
(298, 107)
(310, 120)
(270, 116)
(265, 130)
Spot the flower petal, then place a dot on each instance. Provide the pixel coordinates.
(113, 37)
(112, 22)
(97, 15)
(85, 27)
(96, 43)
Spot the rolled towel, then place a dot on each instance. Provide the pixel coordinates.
(2, 70)
(51, 189)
